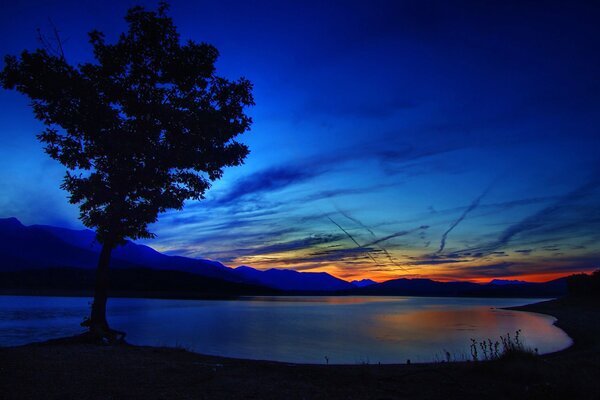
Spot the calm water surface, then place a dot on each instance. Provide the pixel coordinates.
(295, 329)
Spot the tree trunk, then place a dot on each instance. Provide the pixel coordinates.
(97, 323)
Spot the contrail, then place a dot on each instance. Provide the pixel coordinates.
(389, 256)
(473, 206)
(377, 241)
(541, 217)
(357, 222)
(383, 239)
(354, 240)
(536, 220)
(397, 234)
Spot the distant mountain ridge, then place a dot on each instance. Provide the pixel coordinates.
(45, 246)
(506, 282)
(287, 279)
(428, 287)
(363, 283)
(24, 249)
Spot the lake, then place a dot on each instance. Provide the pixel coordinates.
(338, 330)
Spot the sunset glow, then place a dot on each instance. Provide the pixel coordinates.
(388, 140)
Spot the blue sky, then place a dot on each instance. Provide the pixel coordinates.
(455, 140)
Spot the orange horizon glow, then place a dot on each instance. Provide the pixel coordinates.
(434, 272)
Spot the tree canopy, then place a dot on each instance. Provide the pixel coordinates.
(143, 128)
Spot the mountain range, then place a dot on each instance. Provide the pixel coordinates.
(43, 258)
(38, 247)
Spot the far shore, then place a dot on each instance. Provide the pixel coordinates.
(214, 296)
(67, 370)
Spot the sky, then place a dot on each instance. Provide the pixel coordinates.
(448, 140)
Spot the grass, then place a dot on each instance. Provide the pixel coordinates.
(508, 347)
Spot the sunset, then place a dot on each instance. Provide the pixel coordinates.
(433, 164)
(451, 143)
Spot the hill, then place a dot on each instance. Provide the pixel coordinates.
(428, 287)
(38, 247)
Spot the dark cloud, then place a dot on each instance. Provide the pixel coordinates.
(292, 245)
(345, 191)
(269, 180)
(524, 251)
(436, 261)
(350, 257)
(231, 254)
(387, 149)
(491, 270)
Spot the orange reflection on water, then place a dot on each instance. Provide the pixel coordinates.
(328, 300)
(455, 327)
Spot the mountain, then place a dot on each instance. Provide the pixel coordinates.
(24, 247)
(428, 287)
(43, 246)
(141, 255)
(290, 280)
(363, 283)
(32, 252)
(128, 282)
(506, 282)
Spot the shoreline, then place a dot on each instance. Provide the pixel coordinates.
(578, 318)
(66, 370)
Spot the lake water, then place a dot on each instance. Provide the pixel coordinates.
(340, 330)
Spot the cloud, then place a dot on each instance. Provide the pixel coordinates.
(269, 180)
(550, 220)
(436, 262)
(387, 150)
(547, 214)
(471, 207)
(524, 251)
(287, 246)
(531, 267)
(350, 257)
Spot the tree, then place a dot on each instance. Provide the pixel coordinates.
(145, 127)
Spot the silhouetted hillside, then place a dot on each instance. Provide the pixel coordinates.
(69, 253)
(363, 283)
(290, 280)
(583, 285)
(130, 282)
(428, 287)
(42, 247)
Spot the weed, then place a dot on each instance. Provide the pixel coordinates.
(507, 346)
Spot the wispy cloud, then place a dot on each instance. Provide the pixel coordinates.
(471, 207)
(269, 180)
(550, 220)
(306, 243)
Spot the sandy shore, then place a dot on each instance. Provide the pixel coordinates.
(76, 371)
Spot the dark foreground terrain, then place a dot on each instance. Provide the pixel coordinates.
(66, 370)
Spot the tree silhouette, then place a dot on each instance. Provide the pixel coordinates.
(145, 127)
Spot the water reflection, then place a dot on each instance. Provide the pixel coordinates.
(296, 329)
